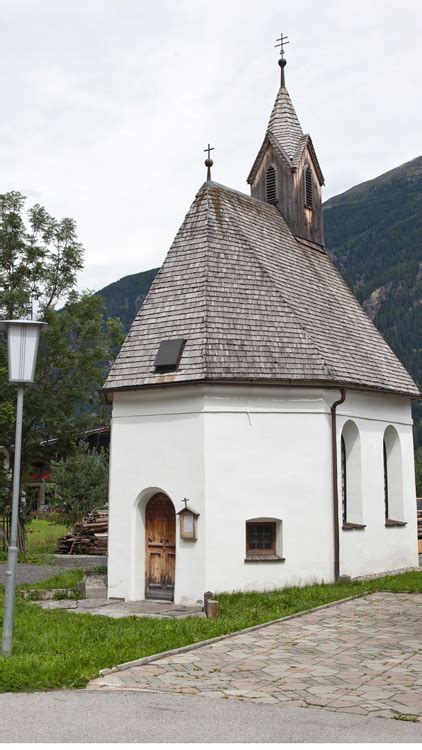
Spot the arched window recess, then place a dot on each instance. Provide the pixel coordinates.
(351, 478)
(393, 478)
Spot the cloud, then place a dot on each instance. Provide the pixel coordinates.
(108, 105)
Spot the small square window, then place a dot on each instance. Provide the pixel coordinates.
(260, 538)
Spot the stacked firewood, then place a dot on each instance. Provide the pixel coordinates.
(419, 505)
(87, 537)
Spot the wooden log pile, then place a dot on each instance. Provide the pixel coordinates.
(87, 537)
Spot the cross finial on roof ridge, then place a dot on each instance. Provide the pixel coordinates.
(208, 161)
(282, 62)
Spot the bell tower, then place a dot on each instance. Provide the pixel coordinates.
(286, 171)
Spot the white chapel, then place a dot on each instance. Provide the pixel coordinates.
(261, 426)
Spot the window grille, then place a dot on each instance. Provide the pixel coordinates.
(260, 538)
(270, 185)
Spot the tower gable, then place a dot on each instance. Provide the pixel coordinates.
(297, 192)
(289, 153)
(298, 181)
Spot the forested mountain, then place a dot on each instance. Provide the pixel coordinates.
(124, 297)
(374, 234)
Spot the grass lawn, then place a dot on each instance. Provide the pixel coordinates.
(58, 649)
(42, 536)
(68, 579)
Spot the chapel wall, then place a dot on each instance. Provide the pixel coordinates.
(268, 455)
(379, 548)
(241, 453)
(156, 445)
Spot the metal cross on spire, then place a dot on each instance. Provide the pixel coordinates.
(280, 43)
(282, 61)
(209, 162)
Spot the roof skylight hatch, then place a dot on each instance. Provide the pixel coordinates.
(169, 355)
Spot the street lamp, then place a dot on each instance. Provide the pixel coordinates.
(22, 345)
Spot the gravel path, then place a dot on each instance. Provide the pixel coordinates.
(33, 573)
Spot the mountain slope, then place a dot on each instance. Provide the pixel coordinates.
(374, 234)
(124, 297)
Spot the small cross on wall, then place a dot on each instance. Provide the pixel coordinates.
(188, 521)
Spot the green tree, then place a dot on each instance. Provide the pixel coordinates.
(418, 472)
(81, 481)
(39, 261)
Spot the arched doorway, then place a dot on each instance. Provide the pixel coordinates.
(160, 537)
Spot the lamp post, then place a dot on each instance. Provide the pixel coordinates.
(22, 345)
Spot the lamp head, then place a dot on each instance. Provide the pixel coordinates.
(22, 347)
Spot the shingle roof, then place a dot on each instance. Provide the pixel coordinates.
(285, 134)
(255, 304)
(284, 123)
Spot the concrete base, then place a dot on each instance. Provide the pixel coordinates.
(116, 608)
(93, 587)
(46, 594)
(81, 561)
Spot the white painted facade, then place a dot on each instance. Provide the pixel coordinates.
(251, 452)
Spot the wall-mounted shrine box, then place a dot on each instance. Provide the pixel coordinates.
(188, 521)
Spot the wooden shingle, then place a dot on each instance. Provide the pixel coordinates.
(254, 304)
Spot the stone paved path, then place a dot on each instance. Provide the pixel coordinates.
(361, 657)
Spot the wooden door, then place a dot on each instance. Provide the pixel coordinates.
(160, 530)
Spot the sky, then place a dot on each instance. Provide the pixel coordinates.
(107, 105)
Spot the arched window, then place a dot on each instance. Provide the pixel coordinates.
(351, 477)
(393, 478)
(271, 185)
(384, 455)
(309, 198)
(343, 481)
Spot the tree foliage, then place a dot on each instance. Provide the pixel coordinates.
(418, 472)
(39, 261)
(81, 481)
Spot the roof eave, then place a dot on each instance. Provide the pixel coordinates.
(255, 165)
(107, 393)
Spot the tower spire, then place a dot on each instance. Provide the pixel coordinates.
(282, 61)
